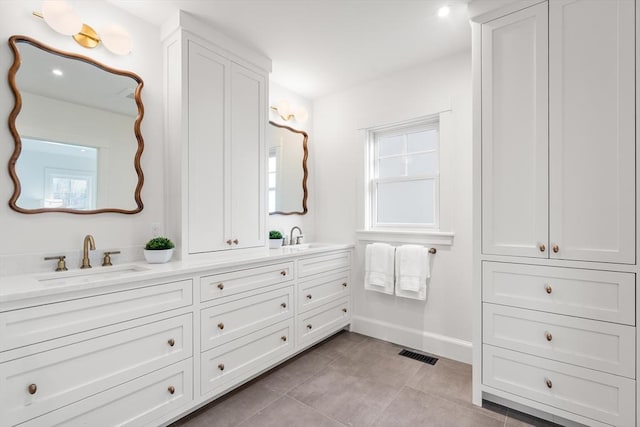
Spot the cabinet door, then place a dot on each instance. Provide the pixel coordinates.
(592, 130)
(514, 134)
(207, 83)
(248, 158)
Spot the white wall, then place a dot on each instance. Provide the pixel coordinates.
(442, 324)
(305, 222)
(28, 237)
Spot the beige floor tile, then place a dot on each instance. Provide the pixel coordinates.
(348, 399)
(288, 412)
(378, 361)
(415, 408)
(447, 378)
(340, 345)
(295, 372)
(233, 408)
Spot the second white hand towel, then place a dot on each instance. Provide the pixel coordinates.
(379, 268)
(412, 271)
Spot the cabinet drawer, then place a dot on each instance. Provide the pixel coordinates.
(232, 362)
(235, 282)
(321, 290)
(322, 321)
(226, 322)
(607, 347)
(32, 325)
(323, 264)
(133, 403)
(601, 295)
(67, 374)
(592, 394)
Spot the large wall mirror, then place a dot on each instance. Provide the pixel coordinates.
(287, 170)
(76, 126)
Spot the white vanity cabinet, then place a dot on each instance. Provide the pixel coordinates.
(555, 209)
(216, 115)
(67, 361)
(146, 351)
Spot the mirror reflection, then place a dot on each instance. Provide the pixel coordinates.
(287, 169)
(76, 126)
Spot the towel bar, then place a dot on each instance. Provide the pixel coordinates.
(432, 250)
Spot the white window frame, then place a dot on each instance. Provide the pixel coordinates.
(443, 236)
(373, 135)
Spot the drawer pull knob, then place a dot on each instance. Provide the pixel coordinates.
(309, 326)
(283, 305)
(236, 241)
(221, 326)
(548, 289)
(221, 366)
(283, 338)
(309, 296)
(32, 388)
(171, 389)
(229, 242)
(542, 247)
(283, 272)
(549, 383)
(344, 285)
(555, 249)
(220, 286)
(344, 310)
(171, 342)
(549, 336)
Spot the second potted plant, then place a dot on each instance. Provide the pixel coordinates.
(275, 239)
(158, 250)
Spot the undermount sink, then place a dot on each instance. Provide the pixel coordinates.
(304, 246)
(89, 275)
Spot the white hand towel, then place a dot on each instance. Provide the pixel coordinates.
(379, 268)
(412, 271)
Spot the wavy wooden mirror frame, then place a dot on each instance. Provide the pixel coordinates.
(305, 172)
(17, 60)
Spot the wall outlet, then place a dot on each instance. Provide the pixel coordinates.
(155, 229)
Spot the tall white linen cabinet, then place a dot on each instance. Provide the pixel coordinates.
(555, 209)
(216, 105)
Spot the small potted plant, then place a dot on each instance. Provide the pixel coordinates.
(158, 250)
(275, 239)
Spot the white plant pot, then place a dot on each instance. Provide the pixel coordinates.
(158, 256)
(275, 243)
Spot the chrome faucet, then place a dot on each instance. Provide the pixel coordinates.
(89, 243)
(300, 236)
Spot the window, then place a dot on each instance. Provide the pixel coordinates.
(403, 181)
(273, 167)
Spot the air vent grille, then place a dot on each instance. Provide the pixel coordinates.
(419, 357)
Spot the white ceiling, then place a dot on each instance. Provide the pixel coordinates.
(319, 47)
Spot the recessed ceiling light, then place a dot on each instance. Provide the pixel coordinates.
(444, 11)
(57, 72)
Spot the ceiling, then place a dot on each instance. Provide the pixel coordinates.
(319, 47)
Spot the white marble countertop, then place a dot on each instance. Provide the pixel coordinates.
(37, 285)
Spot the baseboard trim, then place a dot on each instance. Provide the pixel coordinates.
(428, 342)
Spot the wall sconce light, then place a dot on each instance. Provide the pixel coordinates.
(287, 112)
(61, 17)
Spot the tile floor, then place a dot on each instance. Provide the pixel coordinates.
(354, 380)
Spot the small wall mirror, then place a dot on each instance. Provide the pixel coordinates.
(287, 170)
(76, 126)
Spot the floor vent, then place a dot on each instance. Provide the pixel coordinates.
(419, 357)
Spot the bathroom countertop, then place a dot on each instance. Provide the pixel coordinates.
(37, 285)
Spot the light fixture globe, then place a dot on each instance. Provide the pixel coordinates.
(60, 16)
(116, 39)
(301, 114)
